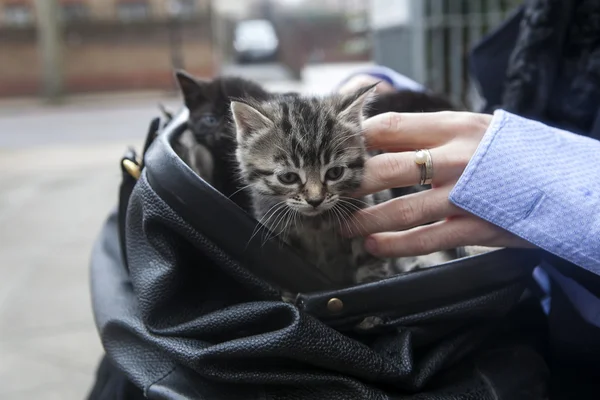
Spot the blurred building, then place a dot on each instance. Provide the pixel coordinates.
(20, 13)
(430, 40)
(344, 6)
(108, 45)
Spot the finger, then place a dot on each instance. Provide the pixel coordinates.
(404, 212)
(412, 131)
(392, 170)
(444, 235)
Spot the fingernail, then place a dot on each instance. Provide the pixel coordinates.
(371, 245)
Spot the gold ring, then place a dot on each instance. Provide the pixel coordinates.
(424, 161)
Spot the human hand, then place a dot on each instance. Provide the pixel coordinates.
(394, 228)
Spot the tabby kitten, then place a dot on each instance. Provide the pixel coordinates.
(303, 158)
(208, 144)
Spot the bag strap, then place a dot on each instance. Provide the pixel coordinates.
(131, 169)
(415, 292)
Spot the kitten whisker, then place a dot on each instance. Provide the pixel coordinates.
(278, 205)
(354, 219)
(353, 222)
(281, 220)
(261, 224)
(339, 143)
(239, 190)
(341, 217)
(275, 230)
(285, 221)
(296, 220)
(347, 136)
(269, 230)
(377, 217)
(355, 207)
(347, 215)
(351, 199)
(336, 215)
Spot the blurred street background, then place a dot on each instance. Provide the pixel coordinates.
(80, 81)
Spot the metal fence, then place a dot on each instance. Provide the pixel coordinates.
(432, 43)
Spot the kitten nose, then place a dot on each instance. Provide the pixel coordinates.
(315, 202)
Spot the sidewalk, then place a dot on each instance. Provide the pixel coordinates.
(52, 205)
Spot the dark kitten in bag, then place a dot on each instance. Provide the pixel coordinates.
(208, 144)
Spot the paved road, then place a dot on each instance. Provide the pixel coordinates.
(59, 176)
(52, 203)
(102, 121)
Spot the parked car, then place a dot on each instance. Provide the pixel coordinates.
(255, 41)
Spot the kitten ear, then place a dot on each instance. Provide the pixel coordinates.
(191, 88)
(247, 120)
(352, 106)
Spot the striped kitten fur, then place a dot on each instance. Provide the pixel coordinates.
(303, 158)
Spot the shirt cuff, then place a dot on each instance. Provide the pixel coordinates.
(539, 183)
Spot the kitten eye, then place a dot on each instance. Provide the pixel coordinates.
(288, 178)
(209, 120)
(335, 173)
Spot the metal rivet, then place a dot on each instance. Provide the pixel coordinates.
(335, 305)
(132, 168)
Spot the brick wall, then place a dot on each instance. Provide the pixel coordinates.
(106, 9)
(106, 56)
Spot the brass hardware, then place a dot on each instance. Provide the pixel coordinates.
(335, 305)
(132, 168)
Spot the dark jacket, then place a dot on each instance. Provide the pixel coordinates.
(549, 54)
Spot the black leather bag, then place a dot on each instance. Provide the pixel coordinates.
(188, 307)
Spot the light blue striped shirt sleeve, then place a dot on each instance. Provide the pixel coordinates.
(540, 183)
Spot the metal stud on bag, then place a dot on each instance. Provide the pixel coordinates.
(132, 168)
(335, 305)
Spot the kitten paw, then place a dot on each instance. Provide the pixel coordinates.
(373, 272)
(369, 323)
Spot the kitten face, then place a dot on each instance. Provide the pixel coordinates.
(306, 153)
(209, 105)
